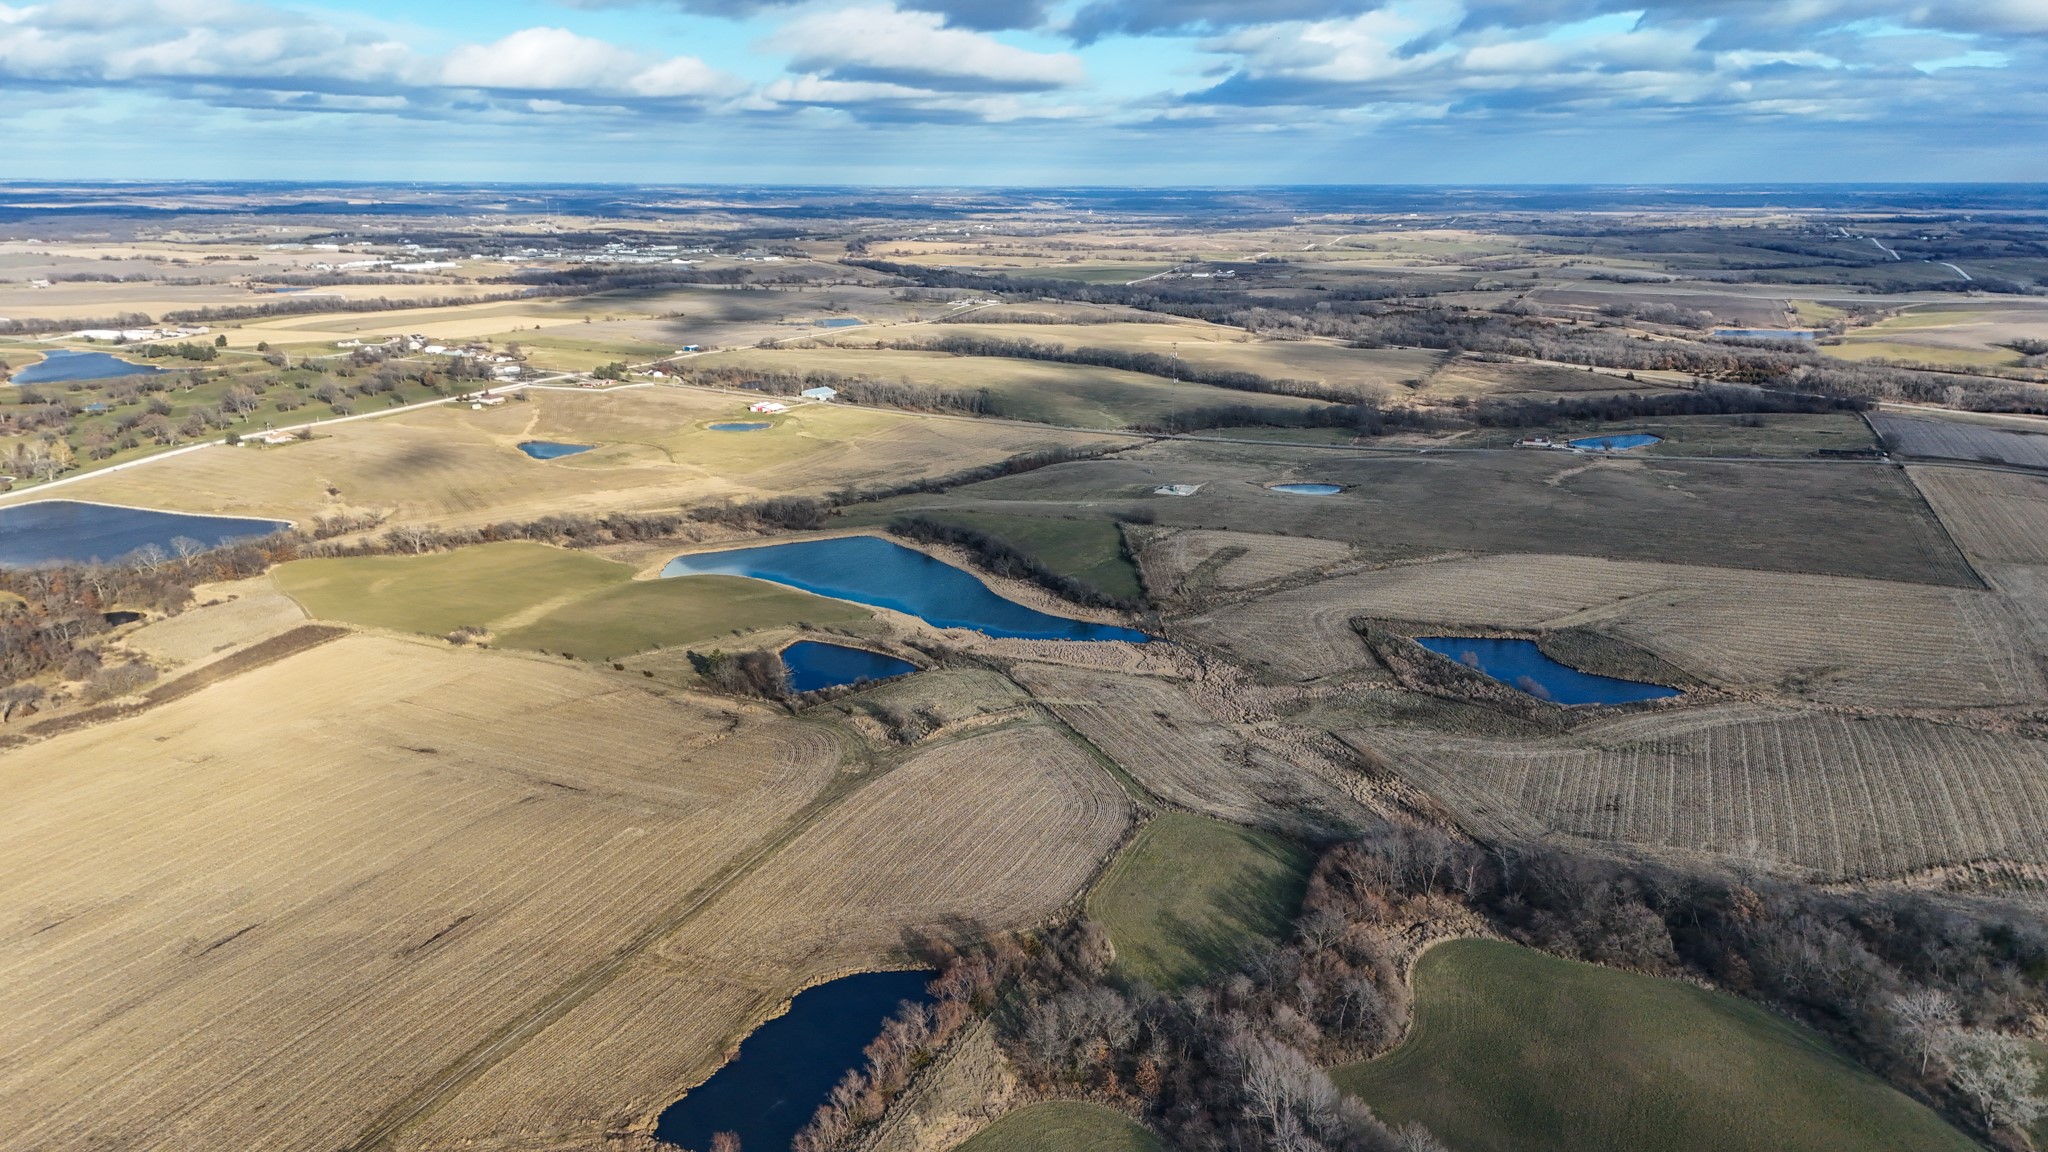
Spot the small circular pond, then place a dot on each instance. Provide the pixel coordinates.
(1306, 489)
(814, 665)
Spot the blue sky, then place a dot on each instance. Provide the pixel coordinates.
(939, 92)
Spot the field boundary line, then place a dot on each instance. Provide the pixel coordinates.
(553, 1007)
(1947, 532)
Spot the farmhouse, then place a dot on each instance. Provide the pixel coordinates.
(768, 406)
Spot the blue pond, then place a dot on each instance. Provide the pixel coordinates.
(1521, 665)
(64, 367)
(1616, 443)
(813, 665)
(1764, 333)
(746, 426)
(550, 450)
(839, 322)
(70, 531)
(768, 1092)
(1308, 489)
(871, 570)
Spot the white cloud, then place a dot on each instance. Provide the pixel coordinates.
(882, 43)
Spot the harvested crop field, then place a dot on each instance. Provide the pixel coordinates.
(1184, 563)
(1876, 642)
(1827, 796)
(992, 832)
(2006, 442)
(1995, 517)
(1169, 744)
(321, 882)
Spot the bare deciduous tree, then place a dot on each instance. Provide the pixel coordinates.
(1925, 1018)
(1998, 1074)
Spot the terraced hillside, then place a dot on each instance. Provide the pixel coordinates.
(1822, 795)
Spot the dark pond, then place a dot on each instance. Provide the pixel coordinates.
(748, 426)
(1308, 489)
(71, 531)
(767, 1093)
(871, 570)
(550, 450)
(63, 367)
(1520, 664)
(813, 665)
(1620, 443)
(1764, 333)
(119, 617)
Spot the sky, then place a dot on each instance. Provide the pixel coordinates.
(1027, 92)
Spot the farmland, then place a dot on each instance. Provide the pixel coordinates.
(1191, 894)
(1814, 794)
(479, 829)
(1882, 642)
(2018, 442)
(411, 832)
(1179, 752)
(1514, 1051)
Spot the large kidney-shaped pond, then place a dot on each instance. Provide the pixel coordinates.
(882, 573)
(75, 532)
(62, 367)
(1521, 665)
(767, 1093)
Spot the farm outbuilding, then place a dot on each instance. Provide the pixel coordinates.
(820, 393)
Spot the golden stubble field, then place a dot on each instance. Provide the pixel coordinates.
(257, 916)
(452, 466)
(391, 890)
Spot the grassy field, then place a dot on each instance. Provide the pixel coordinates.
(550, 599)
(1824, 796)
(1195, 561)
(1069, 395)
(452, 466)
(1845, 520)
(1065, 1126)
(1878, 642)
(1087, 549)
(1514, 1051)
(1190, 893)
(626, 619)
(1178, 751)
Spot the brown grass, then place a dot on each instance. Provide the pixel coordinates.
(1181, 753)
(1832, 797)
(248, 610)
(1822, 637)
(1193, 561)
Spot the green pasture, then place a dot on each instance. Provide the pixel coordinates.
(548, 599)
(1516, 1051)
(1190, 893)
(1065, 1126)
